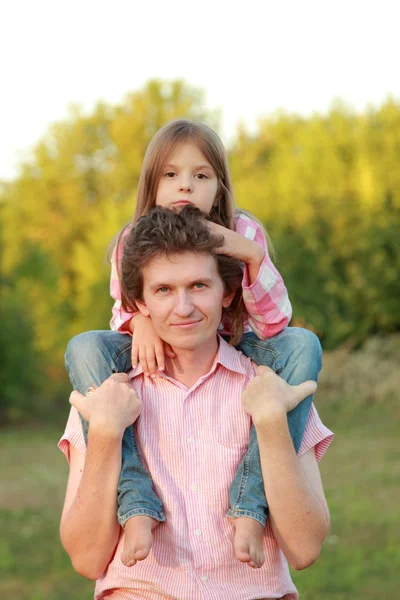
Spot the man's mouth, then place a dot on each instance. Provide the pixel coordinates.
(185, 324)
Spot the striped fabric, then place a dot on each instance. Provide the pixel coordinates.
(191, 442)
(266, 300)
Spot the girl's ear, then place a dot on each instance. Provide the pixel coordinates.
(142, 308)
(227, 299)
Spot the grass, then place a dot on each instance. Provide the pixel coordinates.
(360, 559)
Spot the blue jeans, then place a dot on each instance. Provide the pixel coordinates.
(295, 354)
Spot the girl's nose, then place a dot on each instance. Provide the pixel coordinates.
(185, 185)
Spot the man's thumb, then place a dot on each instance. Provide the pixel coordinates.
(303, 390)
(77, 400)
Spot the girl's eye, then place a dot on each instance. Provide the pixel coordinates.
(202, 176)
(169, 174)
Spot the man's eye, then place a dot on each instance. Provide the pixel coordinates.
(163, 290)
(199, 285)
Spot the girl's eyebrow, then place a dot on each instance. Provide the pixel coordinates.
(171, 166)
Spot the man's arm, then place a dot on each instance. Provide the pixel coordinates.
(89, 526)
(298, 510)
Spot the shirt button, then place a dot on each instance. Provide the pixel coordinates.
(204, 578)
(197, 532)
(191, 440)
(193, 487)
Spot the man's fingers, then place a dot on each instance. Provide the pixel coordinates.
(303, 390)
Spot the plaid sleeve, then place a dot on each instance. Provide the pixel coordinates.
(266, 299)
(119, 319)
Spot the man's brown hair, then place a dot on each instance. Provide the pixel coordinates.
(164, 232)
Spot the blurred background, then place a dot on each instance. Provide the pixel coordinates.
(306, 99)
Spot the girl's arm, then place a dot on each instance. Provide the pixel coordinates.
(264, 292)
(120, 320)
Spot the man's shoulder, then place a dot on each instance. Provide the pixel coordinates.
(235, 360)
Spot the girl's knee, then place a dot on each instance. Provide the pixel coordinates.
(83, 345)
(307, 346)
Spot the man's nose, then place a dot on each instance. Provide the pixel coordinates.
(184, 305)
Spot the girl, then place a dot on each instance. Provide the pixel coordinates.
(186, 163)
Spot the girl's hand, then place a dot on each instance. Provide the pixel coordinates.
(147, 347)
(238, 246)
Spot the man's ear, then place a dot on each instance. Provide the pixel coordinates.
(227, 299)
(142, 308)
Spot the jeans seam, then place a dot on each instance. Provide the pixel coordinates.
(243, 482)
(121, 352)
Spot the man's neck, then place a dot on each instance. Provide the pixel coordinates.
(189, 365)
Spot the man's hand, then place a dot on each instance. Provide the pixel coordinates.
(112, 407)
(268, 394)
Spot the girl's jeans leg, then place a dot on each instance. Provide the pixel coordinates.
(295, 354)
(90, 359)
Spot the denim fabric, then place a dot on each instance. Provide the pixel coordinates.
(90, 359)
(296, 356)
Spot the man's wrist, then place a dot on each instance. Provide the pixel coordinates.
(104, 430)
(273, 417)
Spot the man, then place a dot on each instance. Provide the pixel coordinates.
(192, 433)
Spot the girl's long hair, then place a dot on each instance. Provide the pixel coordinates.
(163, 144)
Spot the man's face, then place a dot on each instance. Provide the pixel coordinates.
(184, 295)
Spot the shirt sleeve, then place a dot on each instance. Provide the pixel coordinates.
(266, 299)
(316, 435)
(73, 435)
(119, 319)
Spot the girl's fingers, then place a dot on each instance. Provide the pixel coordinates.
(168, 351)
(151, 362)
(159, 350)
(135, 356)
(143, 362)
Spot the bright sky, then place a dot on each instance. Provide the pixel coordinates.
(251, 57)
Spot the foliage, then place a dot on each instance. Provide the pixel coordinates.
(327, 187)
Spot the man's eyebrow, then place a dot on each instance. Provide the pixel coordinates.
(160, 284)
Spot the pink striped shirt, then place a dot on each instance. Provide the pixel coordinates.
(192, 441)
(266, 299)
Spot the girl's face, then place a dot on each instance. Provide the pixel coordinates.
(187, 178)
